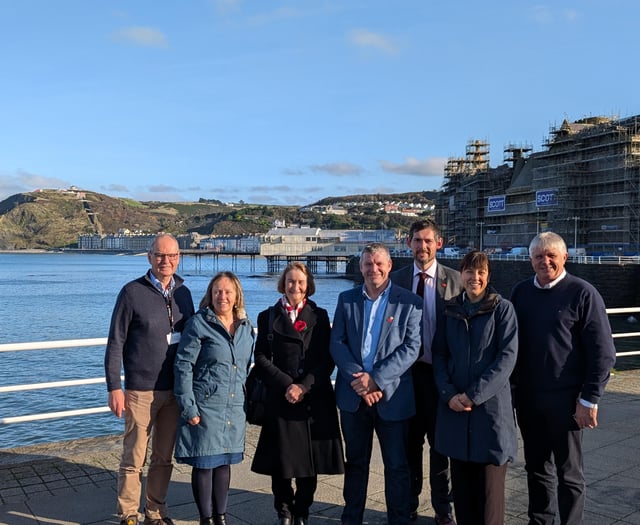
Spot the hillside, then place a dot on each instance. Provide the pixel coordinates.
(49, 219)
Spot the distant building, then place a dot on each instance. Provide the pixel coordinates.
(315, 241)
(585, 185)
(125, 242)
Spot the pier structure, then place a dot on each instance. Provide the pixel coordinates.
(214, 256)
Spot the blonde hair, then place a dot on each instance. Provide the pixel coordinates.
(238, 308)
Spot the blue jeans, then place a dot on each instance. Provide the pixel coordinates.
(358, 428)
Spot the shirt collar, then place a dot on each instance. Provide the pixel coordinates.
(156, 282)
(384, 292)
(552, 283)
(431, 271)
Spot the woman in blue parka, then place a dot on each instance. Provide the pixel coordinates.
(474, 354)
(210, 371)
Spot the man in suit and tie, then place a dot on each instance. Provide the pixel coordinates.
(435, 283)
(374, 341)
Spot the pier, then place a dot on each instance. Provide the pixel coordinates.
(317, 263)
(74, 483)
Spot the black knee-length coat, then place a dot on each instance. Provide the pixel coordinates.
(302, 439)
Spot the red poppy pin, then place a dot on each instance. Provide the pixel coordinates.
(300, 325)
(444, 285)
(389, 320)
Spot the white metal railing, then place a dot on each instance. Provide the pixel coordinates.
(101, 341)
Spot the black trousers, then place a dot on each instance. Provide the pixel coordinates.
(424, 423)
(478, 492)
(553, 457)
(289, 503)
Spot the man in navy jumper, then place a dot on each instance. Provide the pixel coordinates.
(565, 354)
(146, 323)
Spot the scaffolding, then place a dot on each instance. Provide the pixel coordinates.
(585, 185)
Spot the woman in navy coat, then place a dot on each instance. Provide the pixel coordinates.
(474, 355)
(210, 371)
(301, 437)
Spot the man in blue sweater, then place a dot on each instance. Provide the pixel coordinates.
(565, 355)
(147, 320)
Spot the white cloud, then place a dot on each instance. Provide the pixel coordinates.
(541, 14)
(433, 166)
(115, 188)
(24, 182)
(224, 6)
(369, 39)
(162, 188)
(141, 36)
(281, 13)
(338, 169)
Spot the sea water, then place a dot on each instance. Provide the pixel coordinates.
(55, 296)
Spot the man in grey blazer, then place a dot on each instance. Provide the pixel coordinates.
(374, 341)
(440, 283)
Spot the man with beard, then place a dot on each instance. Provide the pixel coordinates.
(435, 283)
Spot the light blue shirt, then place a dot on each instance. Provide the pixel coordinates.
(154, 280)
(374, 310)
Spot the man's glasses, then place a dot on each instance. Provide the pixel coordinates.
(170, 256)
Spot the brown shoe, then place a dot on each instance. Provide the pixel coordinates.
(444, 519)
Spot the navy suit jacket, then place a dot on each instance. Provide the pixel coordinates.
(448, 284)
(398, 348)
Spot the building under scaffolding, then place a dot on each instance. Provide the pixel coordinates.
(584, 185)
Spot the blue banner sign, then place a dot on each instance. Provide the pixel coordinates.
(496, 203)
(546, 198)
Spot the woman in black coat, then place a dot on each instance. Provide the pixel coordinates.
(301, 437)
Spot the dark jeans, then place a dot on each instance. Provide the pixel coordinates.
(553, 454)
(424, 423)
(478, 492)
(358, 428)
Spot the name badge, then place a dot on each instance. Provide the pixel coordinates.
(173, 338)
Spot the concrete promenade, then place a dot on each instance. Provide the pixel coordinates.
(75, 482)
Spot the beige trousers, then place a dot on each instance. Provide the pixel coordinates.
(151, 415)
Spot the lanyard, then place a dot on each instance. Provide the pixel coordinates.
(167, 302)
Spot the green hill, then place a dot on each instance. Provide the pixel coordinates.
(48, 219)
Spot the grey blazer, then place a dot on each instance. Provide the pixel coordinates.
(448, 283)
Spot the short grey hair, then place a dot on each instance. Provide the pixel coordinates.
(375, 247)
(155, 240)
(546, 240)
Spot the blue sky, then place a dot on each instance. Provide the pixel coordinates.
(288, 102)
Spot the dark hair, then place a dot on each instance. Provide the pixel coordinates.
(297, 265)
(425, 224)
(238, 308)
(475, 259)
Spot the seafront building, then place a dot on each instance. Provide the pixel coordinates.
(584, 185)
(279, 241)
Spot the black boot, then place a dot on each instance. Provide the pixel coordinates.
(284, 520)
(219, 519)
(300, 521)
(206, 521)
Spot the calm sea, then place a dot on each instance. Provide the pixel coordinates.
(70, 296)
